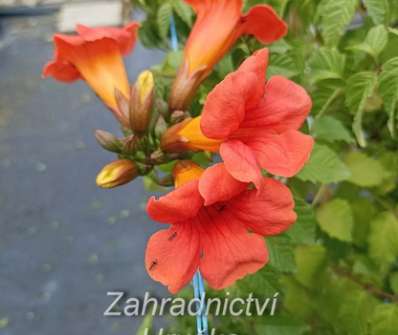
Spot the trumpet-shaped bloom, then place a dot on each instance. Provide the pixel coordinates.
(218, 25)
(95, 55)
(256, 122)
(217, 226)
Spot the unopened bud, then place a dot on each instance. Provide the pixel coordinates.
(172, 141)
(130, 144)
(117, 173)
(108, 141)
(141, 103)
(160, 126)
(122, 110)
(178, 116)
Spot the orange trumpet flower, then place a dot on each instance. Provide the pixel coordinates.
(218, 25)
(217, 226)
(253, 123)
(95, 55)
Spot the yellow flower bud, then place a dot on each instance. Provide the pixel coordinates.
(117, 173)
(142, 102)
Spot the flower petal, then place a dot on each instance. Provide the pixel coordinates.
(179, 205)
(200, 5)
(216, 185)
(269, 212)
(225, 106)
(256, 63)
(241, 163)
(172, 256)
(285, 106)
(62, 71)
(230, 252)
(282, 154)
(125, 37)
(264, 23)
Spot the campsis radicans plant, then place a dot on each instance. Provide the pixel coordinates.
(220, 210)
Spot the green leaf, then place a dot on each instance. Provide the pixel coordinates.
(327, 63)
(389, 90)
(329, 129)
(310, 260)
(383, 238)
(335, 16)
(356, 309)
(365, 171)
(324, 166)
(163, 19)
(360, 87)
(375, 42)
(297, 299)
(303, 231)
(384, 320)
(183, 11)
(264, 282)
(324, 96)
(282, 64)
(336, 219)
(280, 326)
(281, 254)
(378, 10)
(225, 66)
(171, 63)
(394, 282)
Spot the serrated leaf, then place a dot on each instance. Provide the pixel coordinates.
(163, 19)
(360, 87)
(264, 282)
(375, 42)
(282, 64)
(327, 63)
(329, 129)
(378, 10)
(325, 96)
(383, 238)
(281, 254)
(336, 219)
(303, 231)
(335, 16)
(183, 11)
(384, 320)
(365, 171)
(388, 88)
(324, 167)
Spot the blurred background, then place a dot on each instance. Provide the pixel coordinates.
(63, 242)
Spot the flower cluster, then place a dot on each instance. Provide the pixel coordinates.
(220, 213)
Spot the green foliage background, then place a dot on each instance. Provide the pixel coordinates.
(337, 269)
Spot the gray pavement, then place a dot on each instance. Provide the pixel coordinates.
(63, 242)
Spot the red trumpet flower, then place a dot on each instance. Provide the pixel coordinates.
(217, 226)
(95, 55)
(255, 125)
(218, 25)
